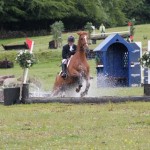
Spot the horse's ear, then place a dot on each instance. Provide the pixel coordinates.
(82, 32)
(79, 33)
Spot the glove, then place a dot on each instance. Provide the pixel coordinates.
(72, 53)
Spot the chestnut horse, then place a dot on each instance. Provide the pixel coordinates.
(77, 70)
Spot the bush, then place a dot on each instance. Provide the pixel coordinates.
(145, 60)
(11, 55)
(6, 64)
(18, 34)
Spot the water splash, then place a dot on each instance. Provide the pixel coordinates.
(36, 91)
(101, 86)
(105, 81)
(95, 89)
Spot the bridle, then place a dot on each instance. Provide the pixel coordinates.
(84, 44)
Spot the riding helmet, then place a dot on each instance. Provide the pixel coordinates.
(71, 39)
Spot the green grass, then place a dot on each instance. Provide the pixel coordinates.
(56, 126)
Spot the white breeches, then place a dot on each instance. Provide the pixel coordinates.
(64, 61)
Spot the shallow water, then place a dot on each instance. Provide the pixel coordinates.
(94, 91)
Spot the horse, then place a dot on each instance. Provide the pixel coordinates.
(77, 70)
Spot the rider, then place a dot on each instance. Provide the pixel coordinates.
(68, 50)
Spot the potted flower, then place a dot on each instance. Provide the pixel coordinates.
(145, 60)
(145, 63)
(26, 60)
(12, 92)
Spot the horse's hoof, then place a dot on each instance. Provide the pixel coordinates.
(63, 94)
(77, 90)
(83, 94)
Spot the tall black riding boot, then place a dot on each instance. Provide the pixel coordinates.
(64, 71)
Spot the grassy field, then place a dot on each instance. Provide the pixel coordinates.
(56, 126)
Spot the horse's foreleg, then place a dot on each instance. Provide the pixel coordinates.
(85, 92)
(59, 92)
(78, 88)
(55, 92)
(77, 75)
(63, 92)
(79, 84)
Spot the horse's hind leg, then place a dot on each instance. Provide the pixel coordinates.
(85, 92)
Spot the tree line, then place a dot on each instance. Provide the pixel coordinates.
(40, 14)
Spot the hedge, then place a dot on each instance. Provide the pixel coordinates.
(19, 34)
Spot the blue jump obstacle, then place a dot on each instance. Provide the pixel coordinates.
(118, 63)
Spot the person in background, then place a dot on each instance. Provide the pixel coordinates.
(68, 50)
(102, 29)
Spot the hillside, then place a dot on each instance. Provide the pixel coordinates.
(41, 42)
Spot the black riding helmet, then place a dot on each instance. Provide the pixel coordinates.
(71, 39)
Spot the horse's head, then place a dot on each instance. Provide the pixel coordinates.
(83, 40)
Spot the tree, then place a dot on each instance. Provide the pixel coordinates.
(113, 10)
(39, 14)
(45, 9)
(1, 6)
(11, 10)
(138, 9)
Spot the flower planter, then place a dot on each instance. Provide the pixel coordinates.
(11, 96)
(147, 89)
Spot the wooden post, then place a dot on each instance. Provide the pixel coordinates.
(142, 69)
(149, 68)
(26, 70)
(25, 75)
(24, 92)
